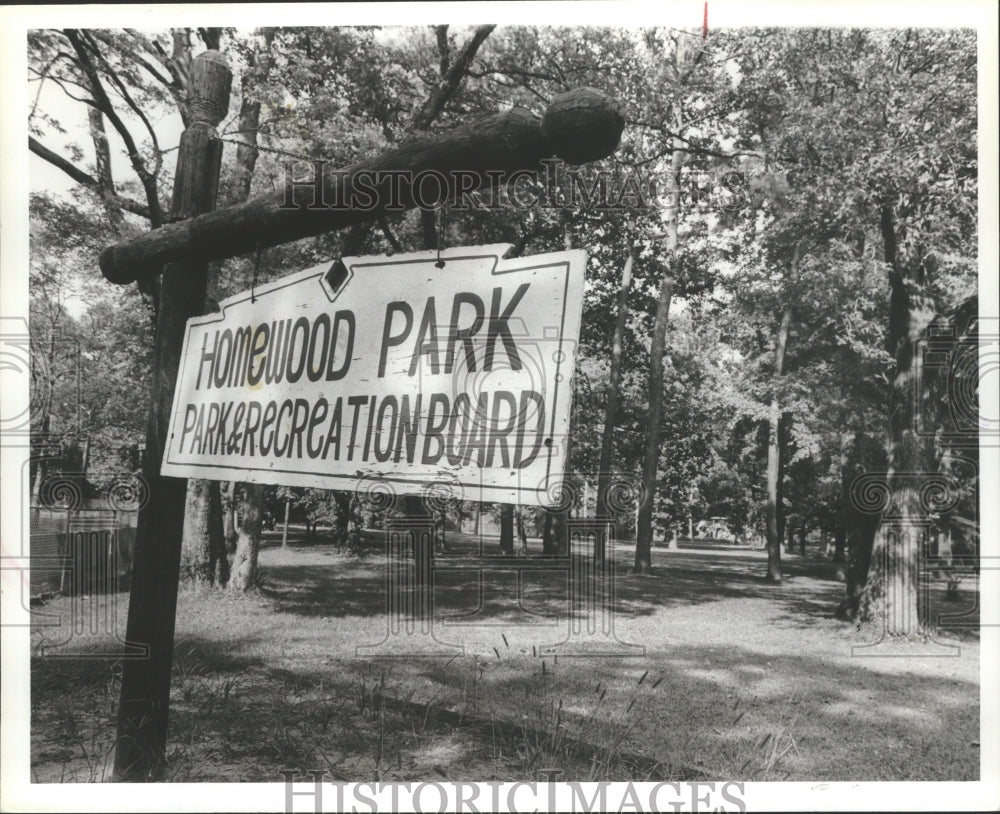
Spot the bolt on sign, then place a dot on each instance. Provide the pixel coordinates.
(429, 378)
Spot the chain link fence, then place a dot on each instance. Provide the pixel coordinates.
(80, 550)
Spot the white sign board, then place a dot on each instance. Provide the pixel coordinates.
(388, 371)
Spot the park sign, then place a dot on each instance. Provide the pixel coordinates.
(447, 375)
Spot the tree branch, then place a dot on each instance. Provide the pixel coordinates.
(61, 81)
(451, 80)
(429, 111)
(441, 32)
(81, 177)
(123, 91)
(393, 241)
(514, 72)
(104, 103)
(172, 83)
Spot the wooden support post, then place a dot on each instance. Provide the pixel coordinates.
(142, 721)
(284, 533)
(579, 126)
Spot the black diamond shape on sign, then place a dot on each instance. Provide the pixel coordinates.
(336, 276)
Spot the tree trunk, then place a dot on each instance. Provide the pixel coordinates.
(244, 570)
(440, 529)
(341, 522)
(891, 591)
(860, 535)
(423, 550)
(611, 413)
(204, 536)
(203, 547)
(550, 544)
(150, 286)
(228, 495)
(840, 543)
(521, 534)
(651, 453)
(105, 181)
(784, 438)
(774, 451)
(507, 529)
(840, 533)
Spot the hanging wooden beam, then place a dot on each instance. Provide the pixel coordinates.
(579, 126)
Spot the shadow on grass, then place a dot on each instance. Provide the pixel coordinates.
(471, 588)
(241, 711)
(701, 712)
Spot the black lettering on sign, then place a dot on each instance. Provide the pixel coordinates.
(314, 369)
(270, 411)
(258, 346)
(368, 429)
(253, 422)
(355, 402)
(233, 444)
(318, 416)
(532, 403)
(427, 340)
(207, 356)
(285, 439)
(242, 346)
(347, 317)
(500, 329)
(220, 439)
(435, 427)
(274, 370)
(499, 431)
(390, 340)
(296, 362)
(190, 417)
(475, 443)
(409, 426)
(223, 358)
(300, 419)
(461, 408)
(333, 434)
(382, 453)
(463, 335)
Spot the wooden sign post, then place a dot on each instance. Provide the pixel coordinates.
(142, 716)
(579, 126)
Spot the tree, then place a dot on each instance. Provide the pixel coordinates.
(243, 574)
(679, 124)
(882, 126)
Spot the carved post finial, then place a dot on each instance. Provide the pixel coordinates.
(208, 93)
(582, 125)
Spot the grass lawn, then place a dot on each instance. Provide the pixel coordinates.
(717, 675)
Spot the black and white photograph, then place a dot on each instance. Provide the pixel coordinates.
(560, 406)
